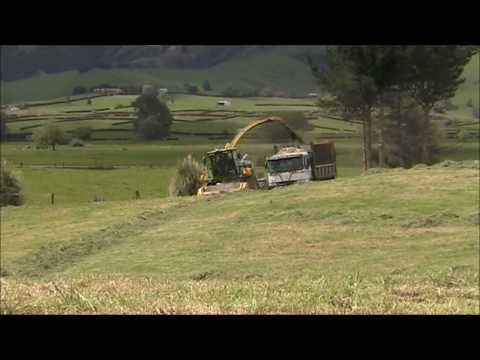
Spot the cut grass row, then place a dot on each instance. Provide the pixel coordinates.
(409, 246)
(452, 291)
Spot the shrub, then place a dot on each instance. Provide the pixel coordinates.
(207, 86)
(470, 103)
(77, 90)
(10, 189)
(83, 132)
(186, 181)
(190, 89)
(76, 142)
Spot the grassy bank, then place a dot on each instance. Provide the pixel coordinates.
(399, 241)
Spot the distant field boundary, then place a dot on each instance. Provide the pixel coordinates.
(332, 128)
(326, 116)
(313, 105)
(63, 101)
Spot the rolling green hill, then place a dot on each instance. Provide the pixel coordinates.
(470, 89)
(276, 71)
(401, 241)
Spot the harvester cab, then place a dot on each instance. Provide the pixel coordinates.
(227, 171)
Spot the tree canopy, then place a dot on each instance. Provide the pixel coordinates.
(359, 79)
(50, 135)
(153, 117)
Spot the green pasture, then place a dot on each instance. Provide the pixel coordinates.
(396, 242)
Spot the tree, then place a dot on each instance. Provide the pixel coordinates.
(151, 129)
(149, 90)
(149, 107)
(83, 132)
(50, 135)
(356, 77)
(89, 101)
(206, 86)
(77, 90)
(430, 74)
(190, 89)
(402, 133)
(295, 119)
(3, 126)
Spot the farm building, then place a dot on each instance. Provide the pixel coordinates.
(312, 94)
(223, 103)
(162, 91)
(108, 91)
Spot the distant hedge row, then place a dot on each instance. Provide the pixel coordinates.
(63, 101)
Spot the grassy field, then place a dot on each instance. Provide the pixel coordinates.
(396, 241)
(144, 167)
(111, 117)
(195, 118)
(399, 241)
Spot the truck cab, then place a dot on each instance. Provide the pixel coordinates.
(301, 164)
(288, 166)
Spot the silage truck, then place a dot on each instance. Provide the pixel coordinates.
(300, 164)
(228, 171)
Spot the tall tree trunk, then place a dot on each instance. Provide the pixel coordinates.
(425, 156)
(53, 146)
(368, 152)
(381, 147)
(400, 130)
(364, 145)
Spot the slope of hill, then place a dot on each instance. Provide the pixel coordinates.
(278, 72)
(402, 241)
(24, 61)
(470, 89)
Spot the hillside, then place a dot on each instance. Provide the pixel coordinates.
(277, 72)
(400, 241)
(470, 89)
(20, 62)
